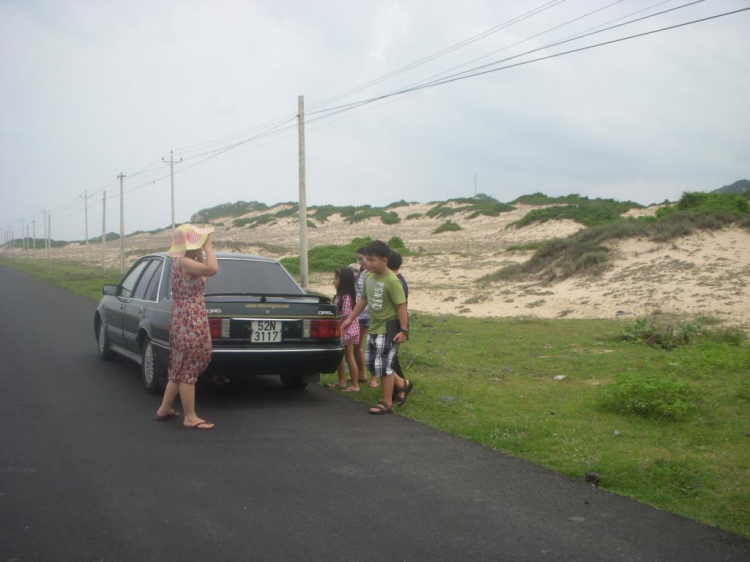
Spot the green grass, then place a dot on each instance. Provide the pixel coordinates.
(86, 281)
(492, 381)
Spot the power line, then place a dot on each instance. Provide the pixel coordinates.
(465, 74)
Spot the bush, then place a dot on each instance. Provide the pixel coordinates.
(662, 334)
(326, 258)
(401, 203)
(649, 397)
(396, 243)
(587, 212)
(447, 226)
(539, 198)
(413, 216)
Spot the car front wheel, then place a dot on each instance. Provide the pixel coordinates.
(151, 370)
(103, 342)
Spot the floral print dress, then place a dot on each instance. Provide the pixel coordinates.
(351, 334)
(189, 334)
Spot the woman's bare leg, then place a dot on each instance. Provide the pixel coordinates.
(170, 393)
(187, 397)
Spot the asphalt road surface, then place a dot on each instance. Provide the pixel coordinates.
(87, 475)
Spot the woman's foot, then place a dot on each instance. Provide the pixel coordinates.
(197, 423)
(166, 415)
(351, 389)
(374, 382)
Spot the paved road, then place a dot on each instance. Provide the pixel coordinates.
(86, 475)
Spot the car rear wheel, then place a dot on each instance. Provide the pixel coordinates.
(292, 382)
(151, 370)
(103, 342)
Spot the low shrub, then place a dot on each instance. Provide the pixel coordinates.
(447, 226)
(413, 216)
(667, 335)
(587, 212)
(662, 334)
(650, 397)
(326, 258)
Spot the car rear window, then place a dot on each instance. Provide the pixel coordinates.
(250, 276)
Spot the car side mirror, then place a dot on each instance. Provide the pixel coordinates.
(109, 290)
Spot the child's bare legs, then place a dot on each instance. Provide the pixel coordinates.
(349, 354)
(342, 375)
(360, 355)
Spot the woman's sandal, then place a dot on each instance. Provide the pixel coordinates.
(381, 408)
(408, 385)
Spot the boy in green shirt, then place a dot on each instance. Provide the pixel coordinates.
(383, 295)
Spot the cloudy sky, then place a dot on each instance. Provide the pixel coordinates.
(90, 89)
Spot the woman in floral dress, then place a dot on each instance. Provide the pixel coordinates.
(189, 334)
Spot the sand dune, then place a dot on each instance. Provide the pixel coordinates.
(706, 273)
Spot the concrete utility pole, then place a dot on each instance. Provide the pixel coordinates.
(302, 194)
(122, 224)
(86, 214)
(104, 228)
(171, 173)
(49, 239)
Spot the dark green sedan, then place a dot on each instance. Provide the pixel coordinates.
(262, 322)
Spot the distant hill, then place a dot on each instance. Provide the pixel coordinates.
(738, 187)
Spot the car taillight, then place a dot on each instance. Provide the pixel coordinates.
(321, 329)
(219, 327)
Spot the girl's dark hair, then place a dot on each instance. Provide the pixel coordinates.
(346, 284)
(362, 250)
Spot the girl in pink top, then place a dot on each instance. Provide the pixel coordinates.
(346, 296)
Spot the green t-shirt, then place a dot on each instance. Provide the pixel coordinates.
(384, 294)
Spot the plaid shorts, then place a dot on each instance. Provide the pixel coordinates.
(380, 354)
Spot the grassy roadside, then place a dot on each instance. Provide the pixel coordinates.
(494, 381)
(86, 281)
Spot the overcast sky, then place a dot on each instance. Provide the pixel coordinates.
(89, 89)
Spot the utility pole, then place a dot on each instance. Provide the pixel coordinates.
(171, 173)
(122, 224)
(28, 240)
(104, 228)
(302, 194)
(86, 198)
(23, 238)
(49, 239)
(33, 236)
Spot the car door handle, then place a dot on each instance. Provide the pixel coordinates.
(141, 309)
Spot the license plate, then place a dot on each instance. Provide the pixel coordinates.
(265, 331)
